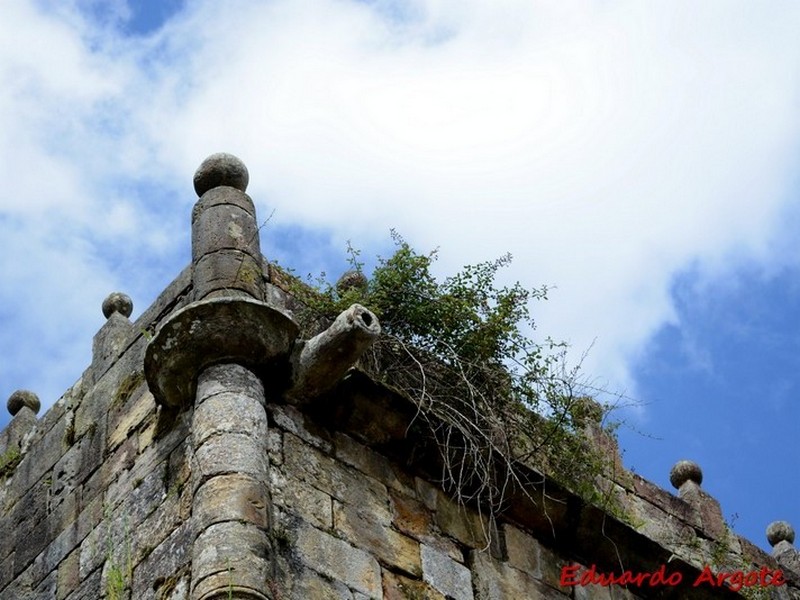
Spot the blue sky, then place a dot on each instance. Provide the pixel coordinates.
(640, 158)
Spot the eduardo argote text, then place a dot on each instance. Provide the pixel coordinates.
(577, 575)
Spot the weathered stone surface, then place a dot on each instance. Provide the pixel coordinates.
(143, 408)
(117, 302)
(683, 471)
(399, 587)
(199, 336)
(168, 560)
(523, 551)
(113, 338)
(230, 554)
(446, 575)
(22, 398)
(275, 446)
(227, 378)
(68, 575)
(426, 492)
(324, 359)
(494, 579)
(221, 169)
(373, 464)
(307, 583)
(301, 499)
(335, 558)
(231, 412)
(326, 474)
(89, 589)
(225, 219)
(290, 419)
(780, 531)
(23, 423)
(232, 497)
(359, 527)
(410, 516)
(228, 273)
(231, 453)
(465, 525)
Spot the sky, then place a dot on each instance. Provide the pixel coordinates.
(641, 159)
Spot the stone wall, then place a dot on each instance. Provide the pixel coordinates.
(206, 453)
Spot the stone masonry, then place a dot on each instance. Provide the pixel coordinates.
(210, 453)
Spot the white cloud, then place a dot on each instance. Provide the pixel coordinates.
(607, 148)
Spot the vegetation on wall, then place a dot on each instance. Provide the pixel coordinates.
(8, 462)
(461, 350)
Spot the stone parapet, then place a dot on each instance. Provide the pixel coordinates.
(208, 453)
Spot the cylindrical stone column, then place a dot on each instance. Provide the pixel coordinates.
(210, 355)
(226, 253)
(231, 557)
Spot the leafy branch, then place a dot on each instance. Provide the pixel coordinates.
(491, 396)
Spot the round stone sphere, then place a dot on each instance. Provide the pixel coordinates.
(221, 169)
(117, 302)
(780, 531)
(683, 471)
(22, 398)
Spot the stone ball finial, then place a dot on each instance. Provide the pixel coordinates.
(351, 279)
(117, 302)
(22, 398)
(780, 531)
(683, 471)
(221, 169)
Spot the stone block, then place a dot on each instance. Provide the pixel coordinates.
(426, 492)
(230, 554)
(337, 559)
(494, 579)
(275, 446)
(446, 575)
(158, 525)
(6, 570)
(309, 584)
(229, 413)
(360, 528)
(224, 218)
(144, 407)
(227, 270)
(399, 587)
(89, 589)
(68, 575)
(332, 477)
(109, 343)
(41, 457)
(523, 551)
(92, 412)
(290, 419)
(410, 516)
(373, 464)
(462, 523)
(146, 496)
(20, 425)
(169, 560)
(231, 498)
(233, 452)
(175, 587)
(301, 499)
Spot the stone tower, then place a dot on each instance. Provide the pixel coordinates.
(208, 452)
